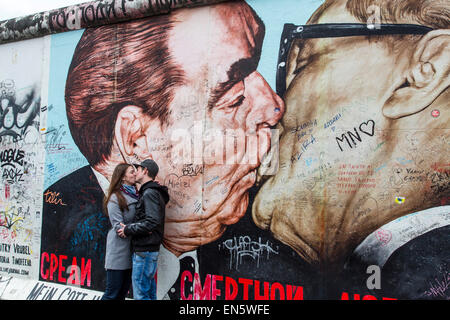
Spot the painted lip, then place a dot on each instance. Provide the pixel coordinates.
(249, 170)
(252, 173)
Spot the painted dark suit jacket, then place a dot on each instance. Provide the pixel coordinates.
(255, 254)
(75, 228)
(413, 271)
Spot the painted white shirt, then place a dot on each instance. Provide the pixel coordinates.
(380, 244)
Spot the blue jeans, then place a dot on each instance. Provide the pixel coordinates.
(143, 275)
(118, 283)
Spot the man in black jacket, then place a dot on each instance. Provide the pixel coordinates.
(146, 230)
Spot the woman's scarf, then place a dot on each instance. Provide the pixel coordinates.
(129, 190)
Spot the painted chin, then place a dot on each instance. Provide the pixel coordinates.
(235, 205)
(246, 181)
(241, 186)
(240, 209)
(250, 178)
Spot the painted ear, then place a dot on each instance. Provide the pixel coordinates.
(129, 132)
(426, 78)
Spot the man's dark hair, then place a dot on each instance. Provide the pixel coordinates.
(114, 66)
(151, 166)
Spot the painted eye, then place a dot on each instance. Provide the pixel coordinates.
(238, 102)
(300, 69)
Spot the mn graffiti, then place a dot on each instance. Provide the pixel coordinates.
(354, 137)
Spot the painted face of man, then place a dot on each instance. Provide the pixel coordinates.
(222, 91)
(337, 145)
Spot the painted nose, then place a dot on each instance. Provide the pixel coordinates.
(267, 107)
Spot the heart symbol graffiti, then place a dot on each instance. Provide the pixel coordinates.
(367, 125)
(384, 236)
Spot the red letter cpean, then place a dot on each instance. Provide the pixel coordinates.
(44, 256)
(53, 264)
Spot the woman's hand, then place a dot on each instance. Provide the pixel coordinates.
(120, 232)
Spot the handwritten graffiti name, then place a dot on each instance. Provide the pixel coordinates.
(244, 246)
(332, 121)
(439, 287)
(12, 156)
(367, 128)
(440, 182)
(303, 147)
(55, 136)
(12, 175)
(190, 170)
(303, 126)
(52, 197)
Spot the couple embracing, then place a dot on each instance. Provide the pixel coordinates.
(137, 221)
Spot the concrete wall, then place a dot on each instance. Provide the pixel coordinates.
(318, 170)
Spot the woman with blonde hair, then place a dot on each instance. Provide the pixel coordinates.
(119, 205)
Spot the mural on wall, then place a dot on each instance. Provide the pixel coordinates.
(305, 148)
(23, 104)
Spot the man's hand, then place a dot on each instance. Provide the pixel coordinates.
(120, 232)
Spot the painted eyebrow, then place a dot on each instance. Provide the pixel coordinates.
(237, 72)
(304, 48)
(306, 52)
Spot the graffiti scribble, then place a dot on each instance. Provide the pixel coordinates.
(9, 217)
(245, 247)
(52, 197)
(15, 117)
(439, 287)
